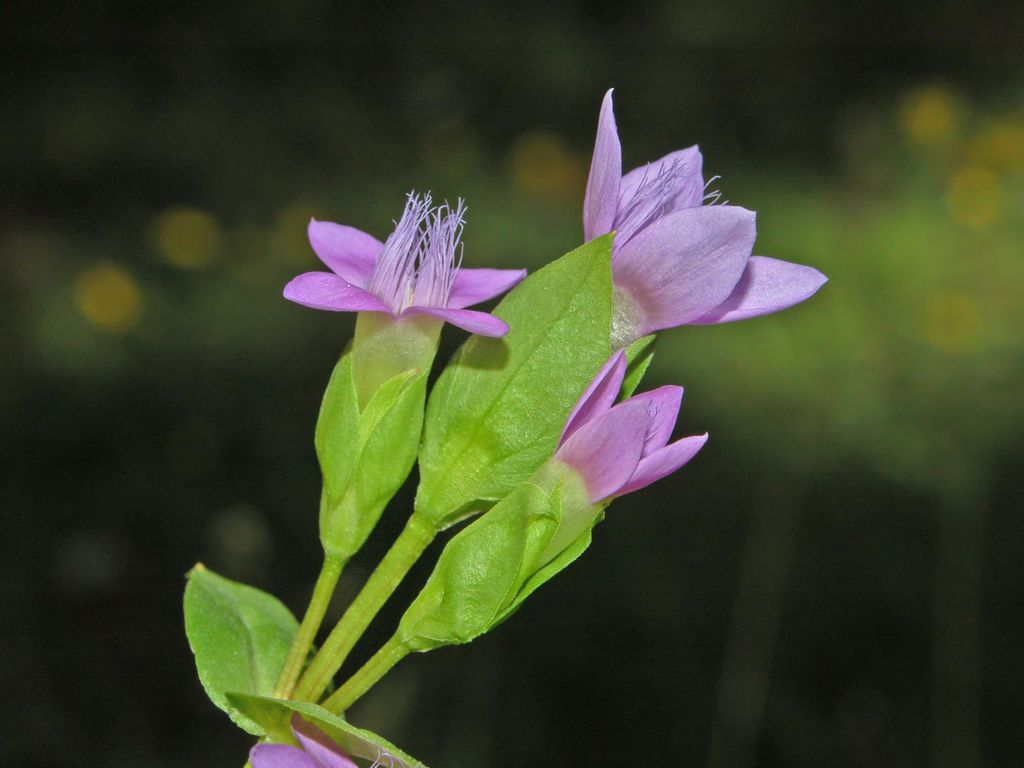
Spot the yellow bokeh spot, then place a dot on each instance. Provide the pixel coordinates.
(1000, 147)
(930, 116)
(975, 197)
(543, 166)
(109, 298)
(288, 240)
(188, 238)
(950, 321)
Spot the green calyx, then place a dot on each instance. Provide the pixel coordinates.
(366, 452)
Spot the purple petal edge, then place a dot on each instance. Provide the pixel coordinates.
(324, 290)
(685, 264)
(480, 323)
(602, 196)
(663, 463)
(767, 285)
(279, 756)
(607, 449)
(471, 286)
(663, 406)
(348, 252)
(599, 395)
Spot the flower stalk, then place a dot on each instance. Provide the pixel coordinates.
(392, 652)
(326, 582)
(407, 549)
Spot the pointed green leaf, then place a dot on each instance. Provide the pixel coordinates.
(240, 637)
(639, 355)
(496, 412)
(374, 452)
(479, 571)
(336, 429)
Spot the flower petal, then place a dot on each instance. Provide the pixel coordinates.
(348, 252)
(662, 409)
(471, 286)
(606, 450)
(279, 756)
(685, 165)
(480, 323)
(767, 285)
(663, 462)
(320, 746)
(599, 396)
(323, 290)
(602, 196)
(684, 265)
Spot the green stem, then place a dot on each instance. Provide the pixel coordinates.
(406, 550)
(393, 651)
(330, 572)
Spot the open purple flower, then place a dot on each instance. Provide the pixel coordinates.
(677, 261)
(317, 751)
(618, 449)
(416, 271)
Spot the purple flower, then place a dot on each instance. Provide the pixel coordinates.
(414, 272)
(676, 261)
(318, 751)
(618, 449)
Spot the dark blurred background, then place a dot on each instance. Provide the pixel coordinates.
(836, 580)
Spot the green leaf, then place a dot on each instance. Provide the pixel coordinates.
(336, 428)
(369, 454)
(639, 355)
(480, 571)
(240, 637)
(496, 412)
(358, 743)
(566, 558)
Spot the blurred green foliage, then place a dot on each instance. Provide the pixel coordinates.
(836, 580)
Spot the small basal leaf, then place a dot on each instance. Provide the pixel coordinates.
(496, 412)
(240, 637)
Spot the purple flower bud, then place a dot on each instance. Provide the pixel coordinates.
(317, 751)
(416, 271)
(618, 449)
(677, 261)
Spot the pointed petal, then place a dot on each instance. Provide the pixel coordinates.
(279, 756)
(599, 396)
(662, 409)
(323, 750)
(767, 285)
(606, 450)
(685, 264)
(663, 463)
(471, 286)
(323, 290)
(605, 174)
(480, 323)
(687, 167)
(348, 252)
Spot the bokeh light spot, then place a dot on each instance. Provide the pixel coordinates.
(930, 116)
(544, 167)
(1000, 147)
(975, 197)
(950, 321)
(188, 238)
(109, 298)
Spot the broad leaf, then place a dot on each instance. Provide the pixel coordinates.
(496, 412)
(240, 637)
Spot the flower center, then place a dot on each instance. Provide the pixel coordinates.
(420, 259)
(649, 200)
